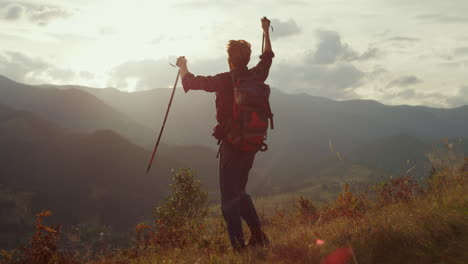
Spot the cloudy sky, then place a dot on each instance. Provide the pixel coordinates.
(393, 51)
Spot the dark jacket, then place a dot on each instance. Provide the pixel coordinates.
(222, 85)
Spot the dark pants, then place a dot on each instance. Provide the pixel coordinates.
(234, 167)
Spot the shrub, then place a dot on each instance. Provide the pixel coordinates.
(347, 205)
(43, 247)
(180, 218)
(308, 212)
(400, 189)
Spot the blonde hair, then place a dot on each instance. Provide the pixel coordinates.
(239, 52)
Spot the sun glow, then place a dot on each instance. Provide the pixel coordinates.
(97, 38)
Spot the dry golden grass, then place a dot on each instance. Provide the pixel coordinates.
(401, 224)
(429, 227)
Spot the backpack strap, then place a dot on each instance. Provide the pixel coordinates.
(219, 150)
(272, 124)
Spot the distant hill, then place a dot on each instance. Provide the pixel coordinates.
(402, 154)
(98, 178)
(191, 119)
(72, 109)
(298, 117)
(396, 154)
(305, 126)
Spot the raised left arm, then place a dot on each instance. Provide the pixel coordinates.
(205, 83)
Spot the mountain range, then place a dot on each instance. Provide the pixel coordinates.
(305, 125)
(82, 152)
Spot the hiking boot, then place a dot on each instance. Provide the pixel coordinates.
(240, 246)
(260, 239)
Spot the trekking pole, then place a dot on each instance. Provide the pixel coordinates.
(164, 122)
(263, 41)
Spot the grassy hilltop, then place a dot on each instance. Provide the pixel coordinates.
(398, 221)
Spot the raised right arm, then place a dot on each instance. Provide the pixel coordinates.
(262, 69)
(266, 34)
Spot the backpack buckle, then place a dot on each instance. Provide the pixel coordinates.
(263, 147)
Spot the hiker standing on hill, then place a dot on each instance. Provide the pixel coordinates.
(242, 112)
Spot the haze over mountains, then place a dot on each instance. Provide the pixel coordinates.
(192, 117)
(71, 109)
(80, 149)
(305, 124)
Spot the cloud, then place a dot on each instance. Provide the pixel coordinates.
(407, 93)
(410, 94)
(284, 28)
(327, 71)
(331, 49)
(461, 51)
(332, 81)
(442, 18)
(324, 80)
(369, 54)
(11, 37)
(142, 75)
(44, 15)
(404, 81)
(107, 31)
(461, 64)
(156, 40)
(40, 15)
(460, 99)
(203, 4)
(12, 12)
(337, 78)
(212, 66)
(149, 74)
(398, 91)
(400, 38)
(413, 96)
(86, 75)
(61, 74)
(17, 65)
(382, 86)
(70, 37)
(293, 2)
(23, 68)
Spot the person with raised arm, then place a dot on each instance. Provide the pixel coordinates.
(243, 113)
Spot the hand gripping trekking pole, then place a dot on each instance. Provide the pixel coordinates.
(263, 39)
(164, 123)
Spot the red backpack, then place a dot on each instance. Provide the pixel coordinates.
(247, 130)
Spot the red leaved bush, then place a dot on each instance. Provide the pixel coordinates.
(347, 205)
(43, 245)
(401, 189)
